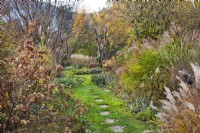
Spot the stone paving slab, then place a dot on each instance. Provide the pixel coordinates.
(99, 100)
(107, 120)
(103, 106)
(104, 113)
(118, 129)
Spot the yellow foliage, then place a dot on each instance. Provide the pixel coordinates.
(79, 23)
(7, 96)
(23, 122)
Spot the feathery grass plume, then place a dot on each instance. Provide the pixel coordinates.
(181, 111)
(169, 95)
(196, 70)
(81, 60)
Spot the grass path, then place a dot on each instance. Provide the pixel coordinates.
(88, 92)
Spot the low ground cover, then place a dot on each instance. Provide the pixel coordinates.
(102, 105)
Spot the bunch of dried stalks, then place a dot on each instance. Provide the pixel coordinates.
(181, 111)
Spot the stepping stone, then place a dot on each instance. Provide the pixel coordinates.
(99, 100)
(107, 120)
(104, 113)
(95, 96)
(118, 129)
(107, 90)
(148, 131)
(103, 106)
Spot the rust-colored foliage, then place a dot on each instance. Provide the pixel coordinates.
(27, 94)
(31, 27)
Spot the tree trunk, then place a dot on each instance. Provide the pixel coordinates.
(101, 44)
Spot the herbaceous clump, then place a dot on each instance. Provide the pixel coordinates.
(181, 111)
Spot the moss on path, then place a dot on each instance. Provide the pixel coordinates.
(88, 92)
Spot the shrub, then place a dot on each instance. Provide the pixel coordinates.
(140, 104)
(27, 86)
(99, 79)
(148, 71)
(70, 113)
(27, 93)
(69, 68)
(83, 71)
(70, 81)
(144, 110)
(147, 115)
(180, 112)
(96, 70)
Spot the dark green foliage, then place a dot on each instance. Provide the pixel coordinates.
(139, 104)
(142, 109)
(83, 71)
(99, 79)
(90, 49)
(70, 109)
(147, 115)
(96, 70)
(70, 81)
(80, 66)
(69, 68)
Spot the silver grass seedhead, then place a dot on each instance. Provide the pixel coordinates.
(142, 85)
(167, 105)
(169, 95)
(157, 70)
(183, 93)
(177, 94)
(189, 105)
(152, 106)
(162, 116)
(187, 97)
(184, 86)
(196, 71)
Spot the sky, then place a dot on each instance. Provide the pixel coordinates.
(92, 5)
(88, 5)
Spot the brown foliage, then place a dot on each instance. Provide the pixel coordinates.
(27, 93)
(25, 86)
(81, 60)
(93, 65)
(109, 64)
(180, 112)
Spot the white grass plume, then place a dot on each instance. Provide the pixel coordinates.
(181, 107)
(196, 70)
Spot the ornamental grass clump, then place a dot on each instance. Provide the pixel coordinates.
(181, 111)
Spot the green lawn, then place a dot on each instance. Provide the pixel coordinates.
(88, 92)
